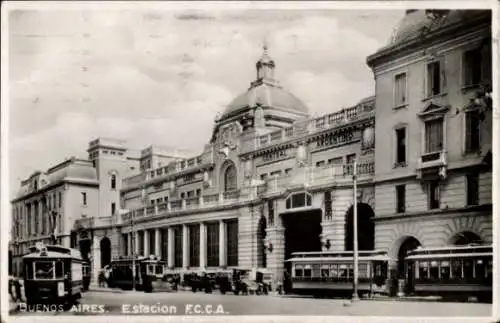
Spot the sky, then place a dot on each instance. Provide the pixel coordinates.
(160, 77)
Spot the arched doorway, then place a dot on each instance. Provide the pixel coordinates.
(366, 228)
(105, 245)
(465, 237)
(261, 247)
(230, 177)
(407, 245)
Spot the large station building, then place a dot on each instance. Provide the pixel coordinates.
(271, 180)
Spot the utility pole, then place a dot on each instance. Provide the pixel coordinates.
(132, 245)
(355, 296)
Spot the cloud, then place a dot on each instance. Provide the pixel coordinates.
(162, 76)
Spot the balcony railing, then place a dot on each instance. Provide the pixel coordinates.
(170, 169)
(305, 127)
(313, 176)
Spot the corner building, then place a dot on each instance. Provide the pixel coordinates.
(270, 181)
(433, 159)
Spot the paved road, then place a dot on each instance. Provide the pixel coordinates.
(187, 303)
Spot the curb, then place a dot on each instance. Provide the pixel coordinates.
(402, 299)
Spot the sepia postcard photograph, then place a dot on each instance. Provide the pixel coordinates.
(260, 160)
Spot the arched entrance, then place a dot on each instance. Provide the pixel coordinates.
(366, 228)
(261, 248)
(105, 246)
(407, 245)
(302, 232)
(465, 237)
(85, 243)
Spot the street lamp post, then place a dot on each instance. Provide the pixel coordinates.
(355, 296)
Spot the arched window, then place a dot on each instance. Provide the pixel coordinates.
(299, 200)
(230, 178)
(113, 181)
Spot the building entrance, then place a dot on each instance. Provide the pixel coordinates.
(302, 233)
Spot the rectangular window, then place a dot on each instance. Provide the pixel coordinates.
(60, 199)
(473, 65)
(434, 136)
(276, 173)
(178, 246)
(198, 191)
(335, 161)
(328, 205)
(190, 194)
(350, 163)
(433, 78)
(434, 195)
(232, 242)
(473, 131)
(263, 177)
(320, 163)
(288, 171)
(152, 245)
(213, 244)
(164, 243)
(472, 189)
(84, 198)
(194, 245)
(400, 89)
(113, 208)
(182, 195)
(401, 146)
(400, 198)
(140, 243)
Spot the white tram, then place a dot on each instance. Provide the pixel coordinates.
(451, 272)
(320, 273)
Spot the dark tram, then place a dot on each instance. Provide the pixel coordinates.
(150, 274)
(455, 272)
(332, 273)
(53, 275)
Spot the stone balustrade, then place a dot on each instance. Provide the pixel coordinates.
(306, 127)
(313, 176)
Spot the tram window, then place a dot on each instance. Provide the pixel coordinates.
(423, 271)
(298, 271)
(44, 269)
(489, 269)
(456, 269)
(307, 272)
(468, 269)
(363, 270)
(434, 270)
(480, 268)
(151, 269)
(334, 271)
(29, 271)
(343, 273)
(351, 271)
(159, 269)
(445, 270)
(316, 271)
(325, 271)
(59, 269)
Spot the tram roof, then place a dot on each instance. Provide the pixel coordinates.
(451, 250)
(338, 259)
(338, 254)
(52, 251)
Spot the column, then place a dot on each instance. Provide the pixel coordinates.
(171, 247)
(203, 245)
(129, 244)
(157, 242)
(146, 243)
(222, 244)
(185, 246)
(136, 242)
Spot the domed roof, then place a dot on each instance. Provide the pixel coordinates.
(415, 22)
(266, 96)
(266, 92)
